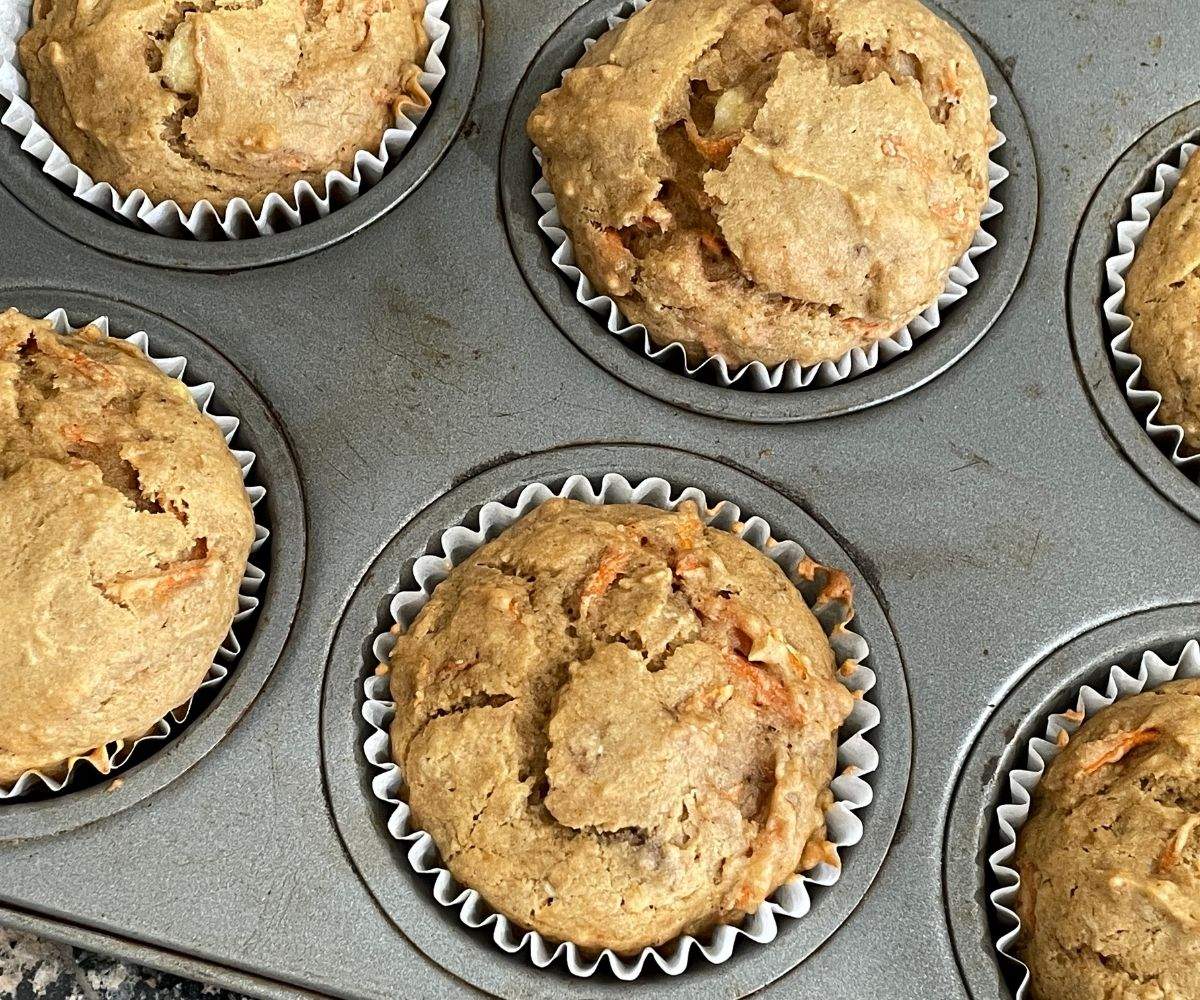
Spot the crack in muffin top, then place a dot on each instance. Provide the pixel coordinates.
(124, 534)
(194, 100)
(619, 725)
(770, 180)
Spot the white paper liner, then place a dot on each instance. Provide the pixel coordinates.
(856, 757)
(205, 222)
(1152, 672)
(790, 375)
(1131, 230)
(118, 753)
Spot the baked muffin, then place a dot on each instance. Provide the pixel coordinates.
(770, 181)
(223, 100)
(618, 725)
(124, 532)
(1162, 297)
(1110, 856)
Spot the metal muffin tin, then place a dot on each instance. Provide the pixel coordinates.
(1008, 530)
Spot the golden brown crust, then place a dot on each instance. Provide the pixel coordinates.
(1110, 857)
(770, 181)
(124, 532)
(618, 725)
(1162, 298)
(221, 98)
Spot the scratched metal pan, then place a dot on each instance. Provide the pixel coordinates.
(1008, 529)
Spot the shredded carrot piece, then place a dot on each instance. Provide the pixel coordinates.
(1063, 738)
(861, 325)
(713, 150)
(688, 562)
(711, 243)
(1073, 715)
(1174, 849)
(76, 434)
(182, 574)
(766, 690)
(612, 564)
(1115, 747)
(612, 247)
(807, 567)
(838, 588)
(162, 581)
(690, 529)
(92, 370)
(745, 897)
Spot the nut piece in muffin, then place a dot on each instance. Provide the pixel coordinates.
(770, 181)
(220, 99)
(618, 725)
(1110, 856)
(1162, 297)
(124, 533)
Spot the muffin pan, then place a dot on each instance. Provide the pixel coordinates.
(962, 324)
(26, 182)
(89, 796)
(1132, 173)
(436, 359)
(361, 817)
(972, 834)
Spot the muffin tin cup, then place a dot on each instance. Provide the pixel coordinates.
(755, 376)
(112, 757)
(1011, 815)
(205, 222)
(1131, 231)
(856, 757)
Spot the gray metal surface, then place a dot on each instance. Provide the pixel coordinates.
(991, 513)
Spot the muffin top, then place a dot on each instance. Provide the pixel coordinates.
(618, 725)
(770, 181)
(124, 532)
(1110, 856)
(1162, 298)
(221, 99)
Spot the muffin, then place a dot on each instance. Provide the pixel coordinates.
(1110, 856)
(124, 533)
(618, 725)
(770, 181)
(227, 100)
(1162, 297)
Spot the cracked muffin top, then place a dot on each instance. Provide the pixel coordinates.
(195, 100)
(1110, 856)
(124, 533)
(619, 725)
(1162, 297)
(770, 181)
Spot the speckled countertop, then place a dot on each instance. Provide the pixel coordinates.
(32, 969)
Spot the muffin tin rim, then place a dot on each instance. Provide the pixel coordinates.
(346, 775)
(1001, 269)
(57, 207)
(1046, 686)
(280, 597)
(1087, 288)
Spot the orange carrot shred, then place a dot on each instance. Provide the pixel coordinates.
(1118, 745)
